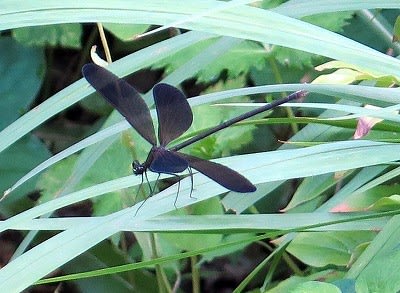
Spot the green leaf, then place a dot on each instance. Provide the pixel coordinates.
(381, 275)
(125, 32)
(311, 188)
(51, 180)
(227, 141)
(65, 35)
(21, 77)
(190, 242)
(387, 203)
(314, 286)
(22, 72)
(331, 248)
(396, 30)
(376, 269)
(290, 58)
(105, 254)
(236, 61)
(375, 198)
(293, 58)
(16, 161)
(209, 256)
(331, 21)
(294, 282)
(175, 60)
(115, 162)
(347, 73)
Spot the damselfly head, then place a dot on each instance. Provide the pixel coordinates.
(138, 169)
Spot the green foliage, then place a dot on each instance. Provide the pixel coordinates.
(63, 35)
(396, 32)
(22, 71)
(333, 22)
(113, 163)
(237, 61)
(329, 248)
(296, 282)
(222, 46)
(380, 275)
(125, 31)
(227, 141)
(191, 242)
(314, 286)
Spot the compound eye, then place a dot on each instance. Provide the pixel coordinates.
(135, 164)
(137, 168)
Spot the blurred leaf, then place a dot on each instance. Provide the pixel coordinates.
(164, 248)
(357, 252)
(300, 59)
(311, 188)
(381, 275)
(66, 35)
(236, 61)
(126, 32)
(209, 256)
(366, 28)
(52, 179)
(370, 197)
(396, 30)
(174, 61)
(293, 282)
(101, 256)
(330, 248)
(348, 73)
(21, 70)
(346, 285)
(341, 76)
(15, 162)
(189, 242)
(315, 286)
(226, 141)
(376, 269)
(115, 162)
(387, 203)
(289, 71)
(267, 4)
(331, 21)
(294, 58)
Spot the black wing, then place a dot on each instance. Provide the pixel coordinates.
(221, 174)
(164, 161)
(123, 97)
(173, 110)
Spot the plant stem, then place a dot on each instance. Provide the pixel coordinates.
(195, 274)
(163, 285)
(104, 42)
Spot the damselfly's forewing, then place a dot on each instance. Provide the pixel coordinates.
(123, 97)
